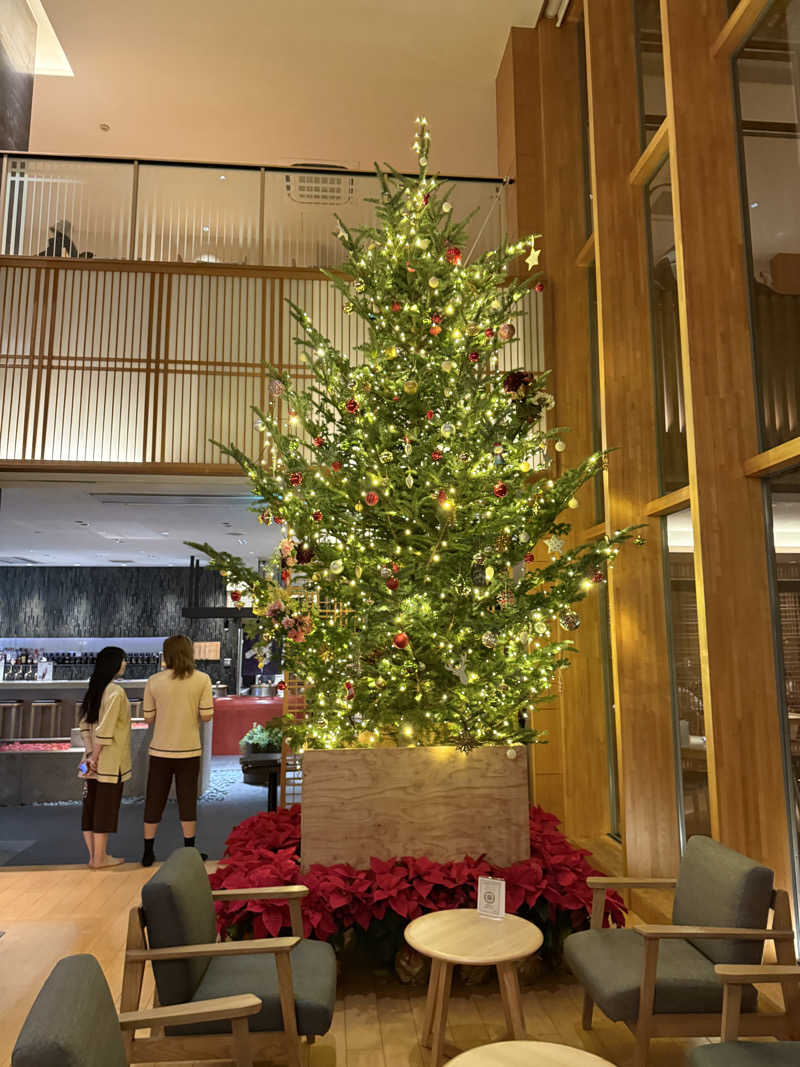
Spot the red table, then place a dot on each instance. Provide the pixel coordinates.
(233, 717)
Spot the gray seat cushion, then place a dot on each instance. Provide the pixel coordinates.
(73, 1021)
(720, 887)
(609, 965)
(179, 910)
(747, 1054)
(313, 978)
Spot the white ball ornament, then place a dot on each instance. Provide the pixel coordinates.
(447, 207)
(337, 566)
(560, 446)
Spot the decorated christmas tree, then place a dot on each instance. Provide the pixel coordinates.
(424, 595)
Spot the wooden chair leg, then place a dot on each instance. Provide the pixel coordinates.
(430, 1004)
(509, 990)
(294, 1056)
(588, 1008)
(642, 1045)
(242, 1049)
(444, 984)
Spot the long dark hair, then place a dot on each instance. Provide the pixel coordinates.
(106, 668)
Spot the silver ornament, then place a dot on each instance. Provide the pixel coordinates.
(489, 640)
(569, 620)
(385, 457)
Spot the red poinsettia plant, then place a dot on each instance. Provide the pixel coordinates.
(549, 888)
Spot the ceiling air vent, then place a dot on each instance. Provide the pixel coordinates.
(320, 188)
(121, 561)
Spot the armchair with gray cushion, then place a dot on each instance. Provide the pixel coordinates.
(73, 1021)
(733, 1053)
(175, 930)
(660, 980)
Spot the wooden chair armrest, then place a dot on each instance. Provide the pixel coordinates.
(745, 974)
(270, 892)
(596, 882)
(200, 1011)
(274, 945)
(719, 933)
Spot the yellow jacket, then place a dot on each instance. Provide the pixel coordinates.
(113, 732)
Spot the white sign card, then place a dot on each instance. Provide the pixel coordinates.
(491, 898)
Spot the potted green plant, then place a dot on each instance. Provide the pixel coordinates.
(261, 738)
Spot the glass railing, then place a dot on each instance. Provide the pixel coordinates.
(204, 213)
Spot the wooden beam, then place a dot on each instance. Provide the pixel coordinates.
(653, 156)
(567, 340)
(740, 692)
(669, 503)
(738, 28)
(774, 460)
(593, 532)
(642, 684)
(585, 258)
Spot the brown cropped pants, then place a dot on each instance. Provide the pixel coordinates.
(160, 772)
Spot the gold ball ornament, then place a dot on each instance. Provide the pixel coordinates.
(447, 365)
(359, 507)
(572, 503)
(524, 466)
(560, 446)
(447, 207)
(336, 566)
(433, 282)
(411, 387)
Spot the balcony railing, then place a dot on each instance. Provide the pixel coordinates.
(201, 213)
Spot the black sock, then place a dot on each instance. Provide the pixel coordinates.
(148, 855)
(188, 842)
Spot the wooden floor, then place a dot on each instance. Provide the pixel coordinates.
(48, 913)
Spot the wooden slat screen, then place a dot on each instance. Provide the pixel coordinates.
(105, 363)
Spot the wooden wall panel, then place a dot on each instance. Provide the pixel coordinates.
(636, 587)
(739, 684)
(356, 804)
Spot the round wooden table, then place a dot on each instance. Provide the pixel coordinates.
(463, 936)
(527, 1054)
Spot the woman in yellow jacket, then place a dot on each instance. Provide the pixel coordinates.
(106, 731)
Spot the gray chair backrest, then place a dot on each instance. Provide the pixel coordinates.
(720, 887)
(179, 910)
(73, 1021)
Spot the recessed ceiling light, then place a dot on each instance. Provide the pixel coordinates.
(223, 177)
(205, 229)
(242, 540)
(754, 203)
(165, 533)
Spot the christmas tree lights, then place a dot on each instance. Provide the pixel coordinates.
(414, 481)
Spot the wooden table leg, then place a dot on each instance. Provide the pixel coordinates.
(430, 1004)
(445, 981)
(243, 1055)
(509, 991)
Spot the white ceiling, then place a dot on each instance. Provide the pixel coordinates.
(133, 523)
(277, 82)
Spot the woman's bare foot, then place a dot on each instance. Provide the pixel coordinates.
(109, 861)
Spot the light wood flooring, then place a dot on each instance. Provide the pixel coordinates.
(48, 913)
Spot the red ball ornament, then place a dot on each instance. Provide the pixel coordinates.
(317, 442)
(598, 577)
(454, 257)
(442, 496)
(539, 287)
(395, 398)
(530, 557)
(436, 317)
(371, 498)
(500, 490)
(436, 455)
(489, 332)
(400, 640)
(351, 406)
(473, 357)
(296, 478)
(336, 466)
(395, 567)
(397, 306)
(281, 687)
(284, 575)
(435, 330)
(429, 415)
(410, 269)
(236, 596)
(392, 583)
(278, 520)
(316, 516)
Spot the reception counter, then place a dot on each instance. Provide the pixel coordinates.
(233, 717)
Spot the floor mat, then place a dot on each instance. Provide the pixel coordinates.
(37, 834)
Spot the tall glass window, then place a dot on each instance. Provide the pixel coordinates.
(767, 74)
(690, 733)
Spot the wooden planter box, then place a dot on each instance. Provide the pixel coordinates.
(435, 802)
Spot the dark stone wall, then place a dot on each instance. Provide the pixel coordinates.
(115, 602)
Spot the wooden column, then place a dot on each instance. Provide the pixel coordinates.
(738, 671)
(638, 609)
(520, 156)
(585, 757)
